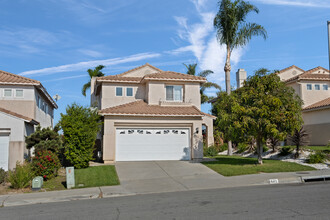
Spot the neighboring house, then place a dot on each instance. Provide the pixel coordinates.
(24, 103)
(150, 114)
(313, 87)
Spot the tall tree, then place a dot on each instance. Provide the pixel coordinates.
(96, 72)
(191, 70)
(234, 31)
(264, 107)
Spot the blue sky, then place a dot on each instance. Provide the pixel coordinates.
(56, 41)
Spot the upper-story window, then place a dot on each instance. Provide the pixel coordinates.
(19, 93)
(46, 108)
(7, 93)
(119, 91)
(309, 86)
(129, 91)
(174, 93)
(317, 87)
(325, 87)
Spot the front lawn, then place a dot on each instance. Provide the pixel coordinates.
(96, 176)
(235, 165)
(313, 148)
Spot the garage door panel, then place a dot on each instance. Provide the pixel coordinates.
(4, 152)
(152, 144)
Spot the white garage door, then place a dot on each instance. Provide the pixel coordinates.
(4, 147)
(141, 144)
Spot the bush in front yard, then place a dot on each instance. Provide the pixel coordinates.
(20, 177)
(285, 151)
(241, 147)
(317, 157)
(3, 175)
(46, 164)
(80, 126)
(210, 151)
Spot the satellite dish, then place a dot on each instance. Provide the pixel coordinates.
(56, 97)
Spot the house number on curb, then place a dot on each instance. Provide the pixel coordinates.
(273, 181)
(70, 177)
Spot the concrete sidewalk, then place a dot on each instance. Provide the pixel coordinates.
(156, 184)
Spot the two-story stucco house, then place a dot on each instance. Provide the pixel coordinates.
(313, 87)
(150, 114)
(24, 103)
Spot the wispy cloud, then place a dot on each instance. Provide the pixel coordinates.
(202, 41)
(90, 53)
(65, 78)
(297, 3)
(90, 64)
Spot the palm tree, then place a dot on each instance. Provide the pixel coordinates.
(234, 31)
(299, 138)
(191, 70)
(92, 73)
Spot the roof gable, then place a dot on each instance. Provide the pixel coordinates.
(14, 114)
(141, 71)
(315, 74)
(10, 78)
(290, 72)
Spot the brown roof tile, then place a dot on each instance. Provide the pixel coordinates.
(141, 108)
(18, 116)
(117, 78)
(10, 78)
(320, 104)
(309, 75)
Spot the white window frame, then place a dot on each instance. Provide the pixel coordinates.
(122, 91)
(127, 91)
(4, 93)
(311, 87)
(319, 87)
(22, 93)
(174, 98)
(325, 87)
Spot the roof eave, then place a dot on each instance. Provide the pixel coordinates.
(148, 115)
(316, 108)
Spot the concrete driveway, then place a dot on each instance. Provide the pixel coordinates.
(166, 176)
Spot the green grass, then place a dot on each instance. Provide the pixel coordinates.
(57, 183)
(235, 165)
(96, 176)
(314, 148)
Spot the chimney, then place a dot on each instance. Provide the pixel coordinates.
(329, 41)
(241, 76)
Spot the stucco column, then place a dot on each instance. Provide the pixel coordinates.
(109, 141)
(197, 144)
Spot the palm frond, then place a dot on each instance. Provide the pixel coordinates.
(246, 32)
(211, 85)
(85, 87)
(205, 73)
(191, 68)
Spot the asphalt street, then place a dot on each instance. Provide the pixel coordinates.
(295, 201)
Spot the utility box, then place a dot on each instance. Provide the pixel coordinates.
(70, 177)
(37, 183)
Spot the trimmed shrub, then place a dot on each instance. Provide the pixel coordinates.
(20, 177)
(46, 164)
(264, 149)
(241, 147)
(210, 151)
(80, 126)
(284, 151)
(221, 147)
(317, 157)
(3, 175)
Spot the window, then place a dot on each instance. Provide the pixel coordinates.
(43, 106)
(173, 93)
(309, 86)
(325, 87)
(119, 91)
(38, 101)
(7, 92)
(129, 91)
(46, 108)
(317, 87)
(19, 93)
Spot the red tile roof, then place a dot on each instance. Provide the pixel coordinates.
(290, 67)
(10, 78)
(320, 104)
(141, 108)
(30, 120)
(140, 67)
(310, 75)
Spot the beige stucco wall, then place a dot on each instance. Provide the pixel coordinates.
(317, 124)
(208, 122)
(109, 98)
(112, 122)
(156, 92)
(44, 118)
(290, 73)
(141, 72)
(192, 94)
(312, 96)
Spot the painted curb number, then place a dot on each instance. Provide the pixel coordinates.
(273, 181)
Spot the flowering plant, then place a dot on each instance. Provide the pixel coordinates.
(46, 164)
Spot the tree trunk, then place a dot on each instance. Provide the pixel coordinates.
(259, 150)
(297, 151)
(227, 75)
